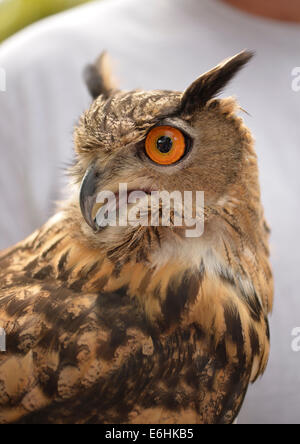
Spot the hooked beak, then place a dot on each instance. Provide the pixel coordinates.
(88, 196)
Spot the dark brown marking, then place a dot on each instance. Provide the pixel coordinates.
(52, 247)
(254, 339)
(179, 294)
(235, 330)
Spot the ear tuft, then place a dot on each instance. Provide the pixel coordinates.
(212, 82)
(98, 77)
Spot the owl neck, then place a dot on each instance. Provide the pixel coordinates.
(58, 253)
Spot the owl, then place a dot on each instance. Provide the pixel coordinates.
(140, 323)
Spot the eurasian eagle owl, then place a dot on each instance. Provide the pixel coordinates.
(134, 323)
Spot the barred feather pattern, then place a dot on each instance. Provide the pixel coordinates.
(90, 341)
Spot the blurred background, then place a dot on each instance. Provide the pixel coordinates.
(16, 14)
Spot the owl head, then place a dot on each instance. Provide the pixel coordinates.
(155, 141)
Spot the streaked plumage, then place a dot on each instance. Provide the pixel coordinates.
(142, 325)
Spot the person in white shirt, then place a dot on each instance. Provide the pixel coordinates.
(164, 44)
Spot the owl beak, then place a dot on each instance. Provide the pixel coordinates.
(88, 196)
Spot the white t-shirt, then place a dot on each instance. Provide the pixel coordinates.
(161, 44)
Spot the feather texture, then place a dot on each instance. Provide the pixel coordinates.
(142, 325)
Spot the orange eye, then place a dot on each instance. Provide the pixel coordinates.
(165, 145)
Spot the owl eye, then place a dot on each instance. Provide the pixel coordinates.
(165, 145)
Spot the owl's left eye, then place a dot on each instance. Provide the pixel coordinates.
(165, 145)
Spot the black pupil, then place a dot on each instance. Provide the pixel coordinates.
(164, 144)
